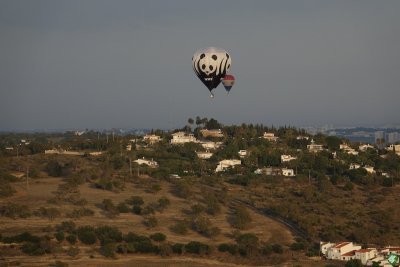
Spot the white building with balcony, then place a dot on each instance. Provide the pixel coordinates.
(181, 138)
(151, 138)
(313, 147)
(270, 137)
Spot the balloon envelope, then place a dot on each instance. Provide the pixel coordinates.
(228, 82)
(211, 65)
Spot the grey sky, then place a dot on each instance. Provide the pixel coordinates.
(103, 64)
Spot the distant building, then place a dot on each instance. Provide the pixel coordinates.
(342, 251)
(365, 147)
(302, 137)
(354, 166)
(243, 153)
(270, 137)
(128, 147)
(287, 158)
(394, 148)
(346, 148)
(275, 171)
(151, 163)
(210, 144)
(313, 147)
(287, 172)
(211, 133)
(151, 138)
(227, 163)
(369, 169)
(393, 137)
(204, 155)
(181, 138)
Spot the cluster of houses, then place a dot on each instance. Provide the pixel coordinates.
(345, 251)
(180, 138)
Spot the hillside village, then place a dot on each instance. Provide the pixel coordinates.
(293, 177)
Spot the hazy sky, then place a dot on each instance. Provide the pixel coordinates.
(101, 64)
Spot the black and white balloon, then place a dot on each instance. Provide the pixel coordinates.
(211, 65)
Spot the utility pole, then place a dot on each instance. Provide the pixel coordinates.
(309, 177)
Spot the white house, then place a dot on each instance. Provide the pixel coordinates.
(210, 144)
(270, 137)
(364, 148)
(227, 163)
(243, 153)
(212, 133)
(369, 169)
(314, 147)
(181, 138)
(324, 247)
(394, 148)
(151, 163)
(275, 171)
(287, 158)
(340, 251)
(302, 137)
(365, 254)
(354, 166)
(204, 155)
(346, 148)
(287, 172)
(151, 138)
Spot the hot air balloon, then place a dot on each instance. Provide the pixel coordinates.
(211, 65)
(228, 81)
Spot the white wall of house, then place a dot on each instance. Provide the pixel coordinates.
(181, 138)
(227, 163)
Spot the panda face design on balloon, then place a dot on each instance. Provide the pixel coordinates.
(208, 63)
(211, 65)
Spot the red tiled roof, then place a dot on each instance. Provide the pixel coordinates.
(342, 244)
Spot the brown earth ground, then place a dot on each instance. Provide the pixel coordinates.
(40, 190)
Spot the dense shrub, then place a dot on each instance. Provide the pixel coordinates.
(23, 237)
(59, 236)
(132, 237)
(108, 234)
(108, 250)
(297, 246)
(197, 248)
(87, 235)
(13, 210)
(177, 248)
(137, 210)
(231, 248)
(123, 208)
(158, 237)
